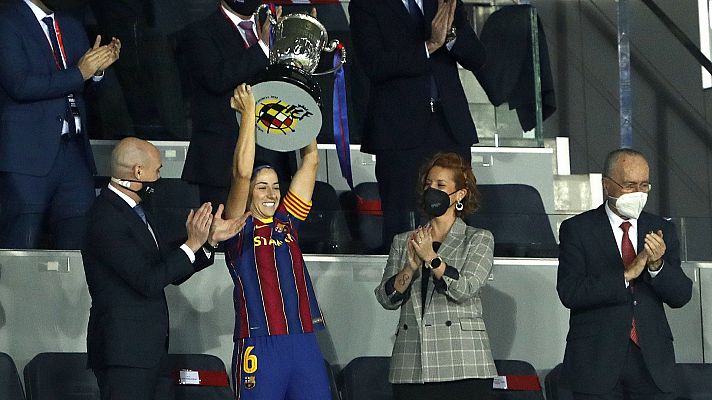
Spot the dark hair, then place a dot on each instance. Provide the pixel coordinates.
(259, 166)
(462, 175)
(613, 157)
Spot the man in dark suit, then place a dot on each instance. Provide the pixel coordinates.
(127, 267)
(409, 50)
(222, 51)
(46, 164)
(617, 266)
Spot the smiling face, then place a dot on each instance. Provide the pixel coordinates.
(265, 194)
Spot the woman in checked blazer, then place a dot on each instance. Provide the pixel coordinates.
(434, 275)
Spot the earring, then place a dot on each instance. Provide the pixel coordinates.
(459, 206)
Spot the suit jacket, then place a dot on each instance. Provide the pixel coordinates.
(450, 341)
(391, 50)
(508, 75)
(218, 61)
(33, 91)
(591, 284)
(126, 273)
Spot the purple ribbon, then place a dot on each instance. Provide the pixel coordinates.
(341, 121)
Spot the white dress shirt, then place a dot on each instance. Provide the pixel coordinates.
(236, 21)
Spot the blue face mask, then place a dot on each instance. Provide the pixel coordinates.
(436, 202)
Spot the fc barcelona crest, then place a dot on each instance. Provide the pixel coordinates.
(250, 382)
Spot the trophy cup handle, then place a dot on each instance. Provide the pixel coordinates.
(334, 45)
(271, 17)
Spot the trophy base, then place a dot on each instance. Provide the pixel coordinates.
(287, 111)
(293, 75)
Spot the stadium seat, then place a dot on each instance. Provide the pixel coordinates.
(365, 217)
(552, 382)
(10, 385)
(693, 381)
(366, 378)
(215, 384)
(60, 376)
(515, 215)
(324, 231)
(522, 380)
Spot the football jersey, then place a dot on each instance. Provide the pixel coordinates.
(273, 292)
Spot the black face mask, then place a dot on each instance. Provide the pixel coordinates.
(243, 7)
(147, 190)
(436, 202)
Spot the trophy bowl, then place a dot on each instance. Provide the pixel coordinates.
(288, 112)
(298, 41)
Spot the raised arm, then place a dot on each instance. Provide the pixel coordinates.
(303, 182)
(243, 158)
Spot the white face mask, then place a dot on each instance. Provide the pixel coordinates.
(630, 204)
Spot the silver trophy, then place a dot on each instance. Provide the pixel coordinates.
(288, 100)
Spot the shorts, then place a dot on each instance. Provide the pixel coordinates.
(280, 367)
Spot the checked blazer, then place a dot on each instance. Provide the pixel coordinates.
(449, 341)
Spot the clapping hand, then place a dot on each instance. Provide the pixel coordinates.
(422, 242)
(198, 226)
(413, 261)
(98, 57)
(441, 24)
(223, 229)
(115, 49)
(655, 247)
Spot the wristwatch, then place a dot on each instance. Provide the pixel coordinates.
(435, 262)
(451, 35)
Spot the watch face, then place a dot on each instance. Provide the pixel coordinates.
(436, 262)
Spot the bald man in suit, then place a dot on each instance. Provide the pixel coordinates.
(128, 264)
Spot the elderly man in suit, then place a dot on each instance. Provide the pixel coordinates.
(410, 50)
(618, 265)
(225, 49)
(127, 266)
(46, 163)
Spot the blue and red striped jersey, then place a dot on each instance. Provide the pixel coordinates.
(273, 292)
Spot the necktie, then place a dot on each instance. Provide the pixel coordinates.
(628, 255)
(250, 37)
(417, 15)
(138, 209)
(141, 213)
(68, 116)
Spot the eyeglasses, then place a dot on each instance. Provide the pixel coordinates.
(630, 187)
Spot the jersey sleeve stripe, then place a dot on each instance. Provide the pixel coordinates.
(296, 206)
